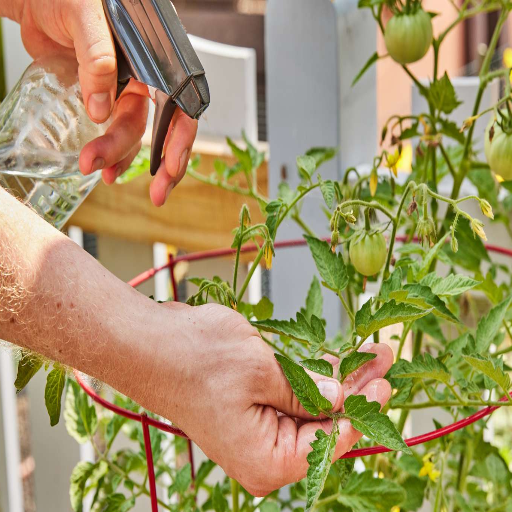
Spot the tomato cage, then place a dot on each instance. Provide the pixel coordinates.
(147, 421)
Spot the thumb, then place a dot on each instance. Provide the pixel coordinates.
(95, 52)
(281, 396)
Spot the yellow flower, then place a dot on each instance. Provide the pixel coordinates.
(405, 161)
(374, 180)
(478, 228)
(395, 509)
(429, 469)
(507, 58)
(392, 161)
(486, 209)
(468, 123)
(267, 252)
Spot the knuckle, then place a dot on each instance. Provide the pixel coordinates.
(99, 60)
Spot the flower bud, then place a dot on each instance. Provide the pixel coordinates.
(486, 209)
(412, 208)
(468, 123)
(426, 230)
(268, 253)
(374, 181)
(478, 228)
(334, 240)
(454, 243)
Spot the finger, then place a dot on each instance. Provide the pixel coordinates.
(94, 47)
(279, 394)
(161, 186)
(293, 445)
(110, 174)
(121, 137)
(374, 369)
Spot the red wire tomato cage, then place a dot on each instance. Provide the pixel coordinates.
(147, 421)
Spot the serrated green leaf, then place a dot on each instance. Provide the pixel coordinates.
(307, 166)
(322, 155)
(431, 326)
(353, 362)
(424, 367)
(489, 326)
(331, 266)
(415, 491)
(364, 493)
(53, 393)
(487, 367)
(388, 314)
(243, 156)
(429, 258)
(118, 503)
(403, 386)
(28, 366)
(320, 366)
(204, 470)
(320, 463)
(314, 301)
(80, 419)
(328, 192)
(79, 477)
(219, 502)
(369, 63)
(422, 296)
(273, 211)
(113, 428)
(392, 284)
(366, 418)
(450, 129)
(264, 309)
(182, 480)
(313, 332)
(303, 386)
(344, 468)
(442, 95)
(450, 285)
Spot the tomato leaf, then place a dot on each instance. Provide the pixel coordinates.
(423, 367)
(449, 286)
(219, 502)
(364, 493)
(450, 129)
(80, 418)
(488, 368)
(320, 366)
(307, 166)
(489, 326)
(322, 155)
(28, 366)
(366, 418)
(303, 386)
(344, 468)
(388, 314)
(264, 309)
(328, 192)
(331, 266)
(353, 362)
(369, 63)
(243, 156)
(314, 301)
(118, 503)
(442, 96)
(313, 332)
(429, 258)
(79, 477)
(53, 393)
(273, 210)
(182, 481)
(320, 463)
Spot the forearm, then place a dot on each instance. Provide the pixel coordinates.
(11, 9)
(58, 301)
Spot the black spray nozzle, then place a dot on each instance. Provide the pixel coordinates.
(153, 47)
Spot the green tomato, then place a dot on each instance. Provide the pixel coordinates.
(498, 151)
(408, 36)
(368, 253)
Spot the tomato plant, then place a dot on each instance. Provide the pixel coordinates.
(447, 297)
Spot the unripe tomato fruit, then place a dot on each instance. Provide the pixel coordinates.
(498, 151)
(368, 253)
(408, 36)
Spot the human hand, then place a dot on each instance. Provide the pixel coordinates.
(80, 28)
(221, 384)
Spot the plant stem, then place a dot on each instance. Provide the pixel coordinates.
(405, 332)
(297, 218)
(255, 263)
(235, 493)
(273, 345)
(237, 259)
(347, 309)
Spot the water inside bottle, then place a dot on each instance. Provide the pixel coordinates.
(43, 127)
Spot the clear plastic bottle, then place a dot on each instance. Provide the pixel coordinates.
(43, 127)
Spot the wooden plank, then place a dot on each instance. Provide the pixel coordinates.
(196, 217)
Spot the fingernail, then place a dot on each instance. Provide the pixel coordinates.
(169, 190)
(98, 164)
(118, 172)
(329, 389)
(183, 161)
(99, 106)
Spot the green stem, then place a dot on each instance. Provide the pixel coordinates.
(405, 332)
(273, 345)
(367, 204)
(237, 259)
(254, 265)
(418, 340)
(347, 309)
(235, 493)
(447, 159)
(297, 218)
